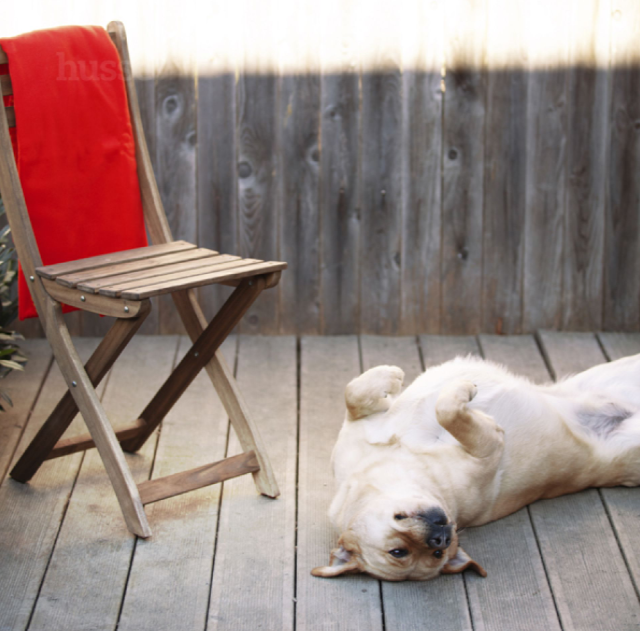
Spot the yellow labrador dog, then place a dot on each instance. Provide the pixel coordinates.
(467, 443)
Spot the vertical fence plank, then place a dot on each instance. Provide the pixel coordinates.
(380, 251)
(422, 157)
(176, 137)
(340, 175)
(586, 167)
(216, 150)
(256, 111)
(299, 122)
(546, 158)
(622, 263)
(463, 166)
(505, 169)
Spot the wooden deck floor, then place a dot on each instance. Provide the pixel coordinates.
(225, 558)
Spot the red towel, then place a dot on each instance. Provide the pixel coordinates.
(75, 147)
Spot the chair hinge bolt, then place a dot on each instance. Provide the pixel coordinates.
(82, 298)
(74, 383)
(126, 309)
(32, 278)
(196, 354)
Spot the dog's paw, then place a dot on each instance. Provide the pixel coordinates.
(462, 392)
(373, 391)
(455, 396)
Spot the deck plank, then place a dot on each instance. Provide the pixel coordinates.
(590, 581)
(90, 563)
(23, 388)
(623, 505)
(516, 594)
(348, 603)
(253, 582)
(32, 513)
(170, 575)
(431, 605)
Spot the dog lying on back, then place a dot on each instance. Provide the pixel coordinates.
(468, 443)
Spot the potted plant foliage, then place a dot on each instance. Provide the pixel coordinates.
(10, 356)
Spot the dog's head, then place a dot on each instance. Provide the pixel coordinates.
(397, 541)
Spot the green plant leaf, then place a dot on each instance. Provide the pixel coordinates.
(10, 364)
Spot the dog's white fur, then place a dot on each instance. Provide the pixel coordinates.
(477, 442)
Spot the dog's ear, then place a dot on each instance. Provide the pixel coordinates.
(342, 562)
(461, 562)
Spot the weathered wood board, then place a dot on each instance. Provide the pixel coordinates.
(588, 93)
(254, 559)
(179, 554)
(516, 594)
(381, 201)
(90, 563)
(463, 168)
(505, 170)
(326, 366)
(433, 605)
(340, 180)
(567, 527)
(32, 513)
(23, 388)
(623, 505)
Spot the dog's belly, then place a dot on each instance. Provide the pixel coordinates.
(558, 438)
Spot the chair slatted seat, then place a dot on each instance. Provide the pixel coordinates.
(120, 284)
(136, 277)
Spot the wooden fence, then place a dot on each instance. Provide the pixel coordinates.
(483, 191)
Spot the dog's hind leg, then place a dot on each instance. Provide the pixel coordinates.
(477, 432)
(373, 391)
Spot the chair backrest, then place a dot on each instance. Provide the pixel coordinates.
(7, 90)
(11, 189)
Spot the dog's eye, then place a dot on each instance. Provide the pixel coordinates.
(438, 554)
(399, 516)
(398, 553)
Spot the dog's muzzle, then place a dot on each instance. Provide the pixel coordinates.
(439, 531)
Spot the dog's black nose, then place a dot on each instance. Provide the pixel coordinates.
(440, 539)
(439, 531)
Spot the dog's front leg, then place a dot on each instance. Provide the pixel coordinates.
(477, 432)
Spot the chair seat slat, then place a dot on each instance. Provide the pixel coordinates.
(183, 275)
(52, 272)
(247, 269)
(116, 270)
(145, 274)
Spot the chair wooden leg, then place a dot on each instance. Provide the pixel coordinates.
(229, 393)
(96, 368)
(198, 356)
(96, 419)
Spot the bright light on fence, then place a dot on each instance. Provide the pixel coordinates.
(350, 35)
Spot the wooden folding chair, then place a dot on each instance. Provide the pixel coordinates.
(121, 285)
